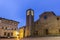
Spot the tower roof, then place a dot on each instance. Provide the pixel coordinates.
(30, 9)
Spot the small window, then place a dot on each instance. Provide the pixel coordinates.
(15, 28)
(57, 18)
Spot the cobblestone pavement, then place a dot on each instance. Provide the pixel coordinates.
(42, 38)
(37, 38)
(7, 39)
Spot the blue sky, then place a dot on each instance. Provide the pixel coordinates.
(16, 9)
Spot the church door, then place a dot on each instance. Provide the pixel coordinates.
(46, 31)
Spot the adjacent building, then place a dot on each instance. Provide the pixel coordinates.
(22, 32)
(7, 27)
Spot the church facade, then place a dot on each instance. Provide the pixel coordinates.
(48, 24)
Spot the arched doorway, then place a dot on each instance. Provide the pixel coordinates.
(46, 31)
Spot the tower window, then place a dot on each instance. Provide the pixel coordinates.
(30, 11)
(57, 18)
(45, 17)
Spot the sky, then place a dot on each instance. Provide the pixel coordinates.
(16, 9)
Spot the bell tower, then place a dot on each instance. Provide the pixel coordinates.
(29, 22)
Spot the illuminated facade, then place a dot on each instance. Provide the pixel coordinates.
(48, 24)
(22, 32)
(7, 27)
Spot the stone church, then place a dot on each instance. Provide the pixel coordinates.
(48, 24)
